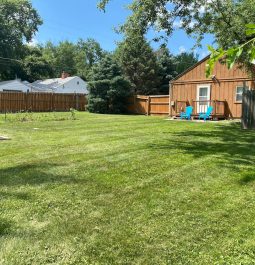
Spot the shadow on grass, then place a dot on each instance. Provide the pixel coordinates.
(247, 178)
(5, 227)
(32, 174)
(232, 146)
(24, 196)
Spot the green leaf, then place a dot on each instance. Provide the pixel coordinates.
(240, 51)
(214, 57)
(209, 68)
(250, 26)
(211, 49)
(251, 54)
(232, 55)
(250, 32)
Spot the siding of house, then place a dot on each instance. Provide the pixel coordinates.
(223, 87)
(75, 85)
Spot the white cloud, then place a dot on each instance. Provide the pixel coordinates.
(182, 49)
(33, 42)
(179, 24)
(204, 54)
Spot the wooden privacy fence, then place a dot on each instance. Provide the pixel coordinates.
(40, 102)
(248, 109)
(149, 105)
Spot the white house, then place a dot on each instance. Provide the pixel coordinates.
(14, 86)
(65, 84)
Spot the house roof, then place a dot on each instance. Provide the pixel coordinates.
(190, 68)
(9, 81)
(6, 82)
(2, 83)
(54, 82)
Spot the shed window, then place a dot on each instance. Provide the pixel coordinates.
(78, 82)
(239, 93)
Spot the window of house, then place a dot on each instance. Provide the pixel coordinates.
(14, 91)
(239, 93)
(78, 82)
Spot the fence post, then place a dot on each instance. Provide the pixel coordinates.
(26, 96)
(148, 105)
(225, 109)
(215, 106)
(170, 106)
(77, 101)
(51, 102)
(253, 110)
(248, 111)
(244, 108)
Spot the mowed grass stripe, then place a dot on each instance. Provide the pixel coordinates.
(111, 189)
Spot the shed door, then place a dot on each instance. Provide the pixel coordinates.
(203, 98)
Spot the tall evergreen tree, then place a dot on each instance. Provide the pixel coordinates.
(138, 62)
(167, 68)
(108, 88)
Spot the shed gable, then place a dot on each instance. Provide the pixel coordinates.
(197, 72)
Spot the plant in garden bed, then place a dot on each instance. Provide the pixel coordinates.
(73, 113)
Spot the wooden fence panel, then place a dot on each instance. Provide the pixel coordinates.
(248, 110)
(41, 102)
(159, 105)
(149, 105)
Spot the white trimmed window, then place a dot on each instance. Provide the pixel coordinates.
(239, 93)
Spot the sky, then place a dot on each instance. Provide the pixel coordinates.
(71, 20)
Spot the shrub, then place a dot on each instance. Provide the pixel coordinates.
(108, 88)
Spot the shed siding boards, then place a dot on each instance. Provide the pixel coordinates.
(184, 87)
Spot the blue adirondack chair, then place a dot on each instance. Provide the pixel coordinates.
(206, 115)
(187, 114)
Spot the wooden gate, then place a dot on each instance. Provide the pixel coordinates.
(149, 105)
(248, 110)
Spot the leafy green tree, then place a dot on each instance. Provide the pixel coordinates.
(185, 60)
(223, 19)
(138, 62)
(88, 53)
(49, 54)
(65, 54)
(74, 58)
(243, 54)
(108, 88)
(167, 68)
(34, 66)
(19, 22)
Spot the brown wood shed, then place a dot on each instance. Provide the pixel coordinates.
(223, 90)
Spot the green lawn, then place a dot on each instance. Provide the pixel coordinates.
(108, 189)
